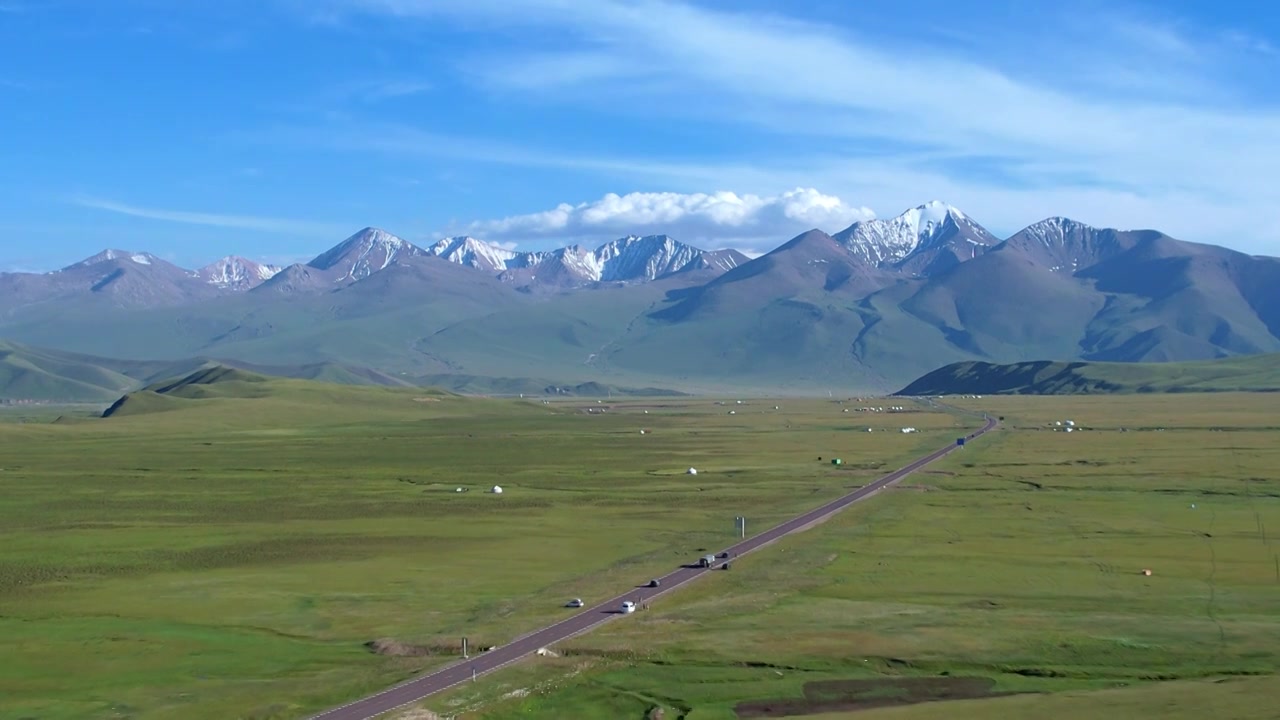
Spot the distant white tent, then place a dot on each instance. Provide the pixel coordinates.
(497, 490)
(691, 471)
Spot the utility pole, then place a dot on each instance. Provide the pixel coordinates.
(464, 648)
(742, 526)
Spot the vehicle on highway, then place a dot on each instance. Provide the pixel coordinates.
(574, 603)
(707, 561)
(654, 583)
(628, 607)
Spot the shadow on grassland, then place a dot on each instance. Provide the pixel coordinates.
(844, 695)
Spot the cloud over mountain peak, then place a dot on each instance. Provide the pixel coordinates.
(696, 216)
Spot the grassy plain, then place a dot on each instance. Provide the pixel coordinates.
(1017, 560)
(228, 550)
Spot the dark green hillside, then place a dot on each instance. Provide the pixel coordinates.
(221, 390)
(43, 375)
(53, 376)
(1253, 373)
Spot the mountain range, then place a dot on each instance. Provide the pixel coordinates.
(869, 307)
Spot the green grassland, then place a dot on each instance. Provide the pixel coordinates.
(1018, 559)
(230, 555)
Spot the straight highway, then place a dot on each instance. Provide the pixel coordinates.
(418, 688)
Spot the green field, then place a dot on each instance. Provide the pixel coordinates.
(227, 550)
(1018, 560)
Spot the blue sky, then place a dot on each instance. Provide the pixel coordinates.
(274, 128)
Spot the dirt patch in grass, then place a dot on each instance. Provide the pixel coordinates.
(850, 695)
(394, 648)
(418, 714)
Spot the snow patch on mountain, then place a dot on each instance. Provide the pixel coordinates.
(722, 260)
(104, 256)
(473, 253)
(893, 239)
(365, 253)
(642, 258)
(928, 226)
(628, 259)
(1054, 231)
(236, 273)
(1068, 246)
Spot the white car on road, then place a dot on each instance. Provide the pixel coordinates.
(628, 607)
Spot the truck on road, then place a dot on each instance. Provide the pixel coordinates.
(707, 561)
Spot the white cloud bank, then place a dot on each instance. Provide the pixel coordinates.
(720, 218)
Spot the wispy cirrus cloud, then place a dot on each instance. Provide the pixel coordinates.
(1125, 117)
(372, 91)
(404, 140)
(241, 222)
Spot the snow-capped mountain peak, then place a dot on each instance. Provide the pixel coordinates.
(366, 252)
(478, 254)
(139, 258)
(643, 258)
(1068, 246)
(928, 218)
(627, 259)
(928, 226)
(104, 256)
(1055, 230)
(236, 273)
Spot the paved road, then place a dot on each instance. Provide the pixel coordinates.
(485, 662)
